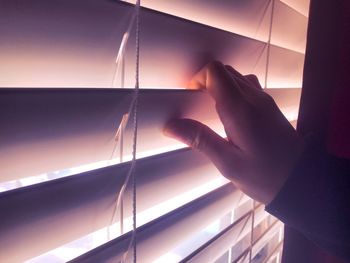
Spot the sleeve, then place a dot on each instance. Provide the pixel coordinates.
(315, 200)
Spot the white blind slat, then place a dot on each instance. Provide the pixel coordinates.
(68, 208)
(267, 236)
(247, 19)
(289, 28)
(302, 6)
(76, 50)
(262, 240)
(250, 18)
(277, 249)
(219, 245)
(178, 225)
(78, 46)
(285, 68)
(46, 130)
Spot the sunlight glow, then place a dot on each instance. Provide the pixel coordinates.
(168, 258)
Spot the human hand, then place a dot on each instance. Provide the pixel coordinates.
(261, 148)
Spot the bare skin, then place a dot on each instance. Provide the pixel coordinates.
(261, 148)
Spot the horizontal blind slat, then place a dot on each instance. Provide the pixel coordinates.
(260, 242)
(65, 209)
(178, 225)
(250, 19)
(285, 68)
(302, 6)
(274, 251)
(289, 28)
(266, 237)
(46, 130)
(67, 53)
(216, 247)
(89, 61)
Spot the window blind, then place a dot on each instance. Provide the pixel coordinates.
(57, 113)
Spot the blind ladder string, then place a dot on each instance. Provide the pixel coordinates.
(269, 44)
(133, 243)
(137, 83)
(133, 110)
(252, 232)
(119, 141)
(120, 60)
(118, 138)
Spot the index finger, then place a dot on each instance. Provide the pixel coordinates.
(215, 78)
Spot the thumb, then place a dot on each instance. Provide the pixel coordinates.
(200, 137)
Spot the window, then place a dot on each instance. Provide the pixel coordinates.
(59, 118)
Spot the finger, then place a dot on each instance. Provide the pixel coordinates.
(254, 81)
(217, 80)
(201, 137)
(246, 81)
(234, 72)
(194, 134)
(241, 80)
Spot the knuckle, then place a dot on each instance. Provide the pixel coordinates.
(253, 79)
(198, 141)
(214, 66)
(266, 102)
(267, 98)
(252, 76)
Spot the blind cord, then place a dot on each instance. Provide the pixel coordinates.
(269, 43)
